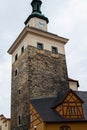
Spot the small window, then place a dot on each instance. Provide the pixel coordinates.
(40, 46)
(16, 72)
(19, 120)
(22, 49)
(16, 57)
(54, 50)
(65, 128)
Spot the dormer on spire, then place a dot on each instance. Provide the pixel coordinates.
(37, 19)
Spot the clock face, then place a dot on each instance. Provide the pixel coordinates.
(40, 24)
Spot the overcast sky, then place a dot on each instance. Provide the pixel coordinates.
(68, 18)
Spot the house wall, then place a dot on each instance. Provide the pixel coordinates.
(4, 123)
(35, 119)
(73, 126)
(73, 85)
(38, 127)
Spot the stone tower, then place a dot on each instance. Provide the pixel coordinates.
(38, 66)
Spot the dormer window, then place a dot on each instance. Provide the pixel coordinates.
(40, 46)
(71, 107)
(54, 50)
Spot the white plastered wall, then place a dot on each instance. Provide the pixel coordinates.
(32, 40)
(73, 85)
(34, 22)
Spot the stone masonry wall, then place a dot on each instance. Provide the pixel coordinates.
(20, 94)
(39, 74)
(47, 73)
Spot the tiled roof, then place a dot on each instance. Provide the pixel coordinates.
(61, 96)
(44, 106)
(4, 119)
(83, 96)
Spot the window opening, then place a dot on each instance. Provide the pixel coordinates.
(40, 46)
(54, 50)
(19, 120)
(72, 110)
(65, 128)
(22, 49)
(16, 72)
(19, 91)
(16, 57)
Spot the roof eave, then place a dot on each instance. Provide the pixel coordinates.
(38, 32)
(67, 121)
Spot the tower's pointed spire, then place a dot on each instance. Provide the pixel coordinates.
(36, 11)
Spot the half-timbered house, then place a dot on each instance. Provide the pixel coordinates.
(64, 112)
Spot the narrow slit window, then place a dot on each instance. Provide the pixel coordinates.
(19, 120)
(16, 57)
(22, 49)
(19, 91)
(16, 72)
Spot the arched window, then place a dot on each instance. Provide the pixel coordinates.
(65, 128)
